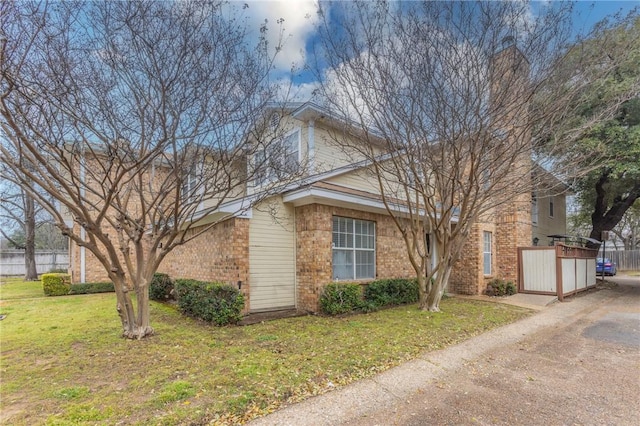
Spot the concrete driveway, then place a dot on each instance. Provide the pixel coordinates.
(572, 363)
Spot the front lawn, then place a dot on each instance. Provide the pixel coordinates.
(63, 360)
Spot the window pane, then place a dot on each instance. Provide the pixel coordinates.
(487, 264)
(487, 242)
(291, 162)
(291, 141)
(342, 264)
(353, 249)
(365, 264)
(342, 238)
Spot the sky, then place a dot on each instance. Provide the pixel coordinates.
(297, 18)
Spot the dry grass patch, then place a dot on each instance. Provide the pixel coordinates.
(63, 361)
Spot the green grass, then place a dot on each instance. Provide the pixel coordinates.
(63, 360)
(16, 288)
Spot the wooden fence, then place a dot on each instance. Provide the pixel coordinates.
(625, 260)
(12, 261)
(560, 270)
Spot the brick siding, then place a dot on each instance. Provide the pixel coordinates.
(219, 254)
(314, 227)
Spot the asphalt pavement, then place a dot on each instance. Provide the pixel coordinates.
(571, 363)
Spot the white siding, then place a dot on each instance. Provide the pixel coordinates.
(328, 154)
(272, 268)
(359, 180)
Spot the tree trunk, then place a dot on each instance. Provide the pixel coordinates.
(143, 322)
(604, 217)
(133, 326)
(437, 290)
(31, 273)
(423, 291)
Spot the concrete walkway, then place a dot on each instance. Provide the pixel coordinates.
(535, 302)
(403, 395)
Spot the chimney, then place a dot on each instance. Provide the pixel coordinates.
(508, 79)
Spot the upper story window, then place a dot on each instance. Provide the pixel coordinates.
(551, 206)
(280, 159)
(534, 208)
(190, 191)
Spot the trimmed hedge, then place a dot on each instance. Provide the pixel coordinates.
(388, 292)
(91, 288)
(499, 287)
(56, 284)
(342, 298)
(213, 302)
(161, 288)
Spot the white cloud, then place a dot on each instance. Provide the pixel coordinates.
(296, 17)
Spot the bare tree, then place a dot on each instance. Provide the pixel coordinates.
(137, 118)
(443, 91)
(18, 208)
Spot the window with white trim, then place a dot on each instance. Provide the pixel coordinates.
(279, 159)
(189, 191)
(354, 249)
(486, 253)
(534, 208)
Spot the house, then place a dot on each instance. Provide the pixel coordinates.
(330, 225)
(285, 249)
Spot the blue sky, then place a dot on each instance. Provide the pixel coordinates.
(589, 13)
(298, 24)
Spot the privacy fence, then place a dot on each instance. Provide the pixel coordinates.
(625, 260)
(12, 261)
(560, 270)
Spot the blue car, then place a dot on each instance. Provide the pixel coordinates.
(608, 266)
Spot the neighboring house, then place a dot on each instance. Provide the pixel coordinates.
(548, 208)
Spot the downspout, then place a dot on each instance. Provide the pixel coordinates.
(312, 147)
(83, 232)
(295, 260)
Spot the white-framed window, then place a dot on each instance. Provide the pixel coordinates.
(354, 249)
(486, 253)
(534, 208)
(280, 159)
(551, 206)
(189, 191)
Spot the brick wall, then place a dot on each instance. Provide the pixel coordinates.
(467, 271)
(219, 254)
(513, 230)
(510, 227)
(94, 271)
(314, 228)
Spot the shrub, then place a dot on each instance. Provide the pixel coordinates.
(398, 291)
(91, 288)
(161, 288)
(56, 284)
(341, 298)
(499, 287)
(213, 302)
